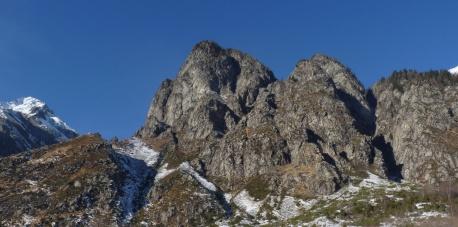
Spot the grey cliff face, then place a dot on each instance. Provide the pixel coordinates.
(417, 119)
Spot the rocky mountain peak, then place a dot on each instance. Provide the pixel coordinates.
(214, 88)
(328, 74)
(322, 66)
(29, 123)
(28, 106)
(206, 47)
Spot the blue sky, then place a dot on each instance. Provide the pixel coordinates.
(98, 63)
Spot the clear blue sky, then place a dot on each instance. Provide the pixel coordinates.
(98, 63)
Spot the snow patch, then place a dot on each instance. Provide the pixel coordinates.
(228, 197)
(244, 201)
(374, 181)
(27, 219)
(163, 172)
(31, 182)
(288, 208)
(421, 205)
(291, 207)
(52, 125)
(61, 123)
(373, 202)
(431, 214)
(454, 70)
(187, 168)
(138, 150)
(138, 160)
(323, 221)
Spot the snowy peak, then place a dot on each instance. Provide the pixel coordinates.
(28, 106)
(454, 71)
(29, 123)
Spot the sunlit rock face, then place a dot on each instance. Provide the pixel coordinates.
(417, 119)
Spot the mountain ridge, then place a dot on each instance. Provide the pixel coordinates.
(29, 123)
(226, 143)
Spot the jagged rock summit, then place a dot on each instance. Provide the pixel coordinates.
(241, 128)
(29, 123)
(221, 84)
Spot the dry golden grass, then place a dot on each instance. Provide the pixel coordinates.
(296, 170)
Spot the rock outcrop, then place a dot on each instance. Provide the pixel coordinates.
(417, 123)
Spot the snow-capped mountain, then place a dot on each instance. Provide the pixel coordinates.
(29, 123)
(454, 70)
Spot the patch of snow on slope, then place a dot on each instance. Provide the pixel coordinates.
(374, 181)
(57, 121)
(187, 168)
(421, 205)
(138, 161)
(322, 221)
(49, 124)
(227, 196)
(291, 207)
(431, 214)
(288, 208)
(454, 70)
(244, 201)
(163, 172)
(138, 150)
(27, 219)
(417, 218)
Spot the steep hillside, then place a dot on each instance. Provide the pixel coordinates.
(72, 183)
